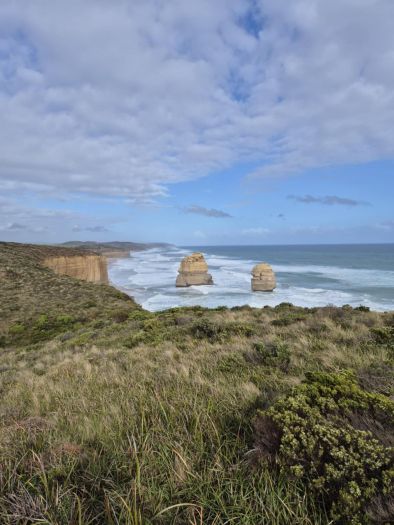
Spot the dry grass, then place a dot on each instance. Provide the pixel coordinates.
(125, 417)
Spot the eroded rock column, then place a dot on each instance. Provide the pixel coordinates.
(193, 271)
(263, 278)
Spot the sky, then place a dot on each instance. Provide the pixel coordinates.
(197, 123)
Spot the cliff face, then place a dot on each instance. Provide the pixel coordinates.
(29, 289)
(92, 268)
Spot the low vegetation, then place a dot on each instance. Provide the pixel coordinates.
(338, 438)
(113, 415)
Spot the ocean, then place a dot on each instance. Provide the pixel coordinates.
(309, 276)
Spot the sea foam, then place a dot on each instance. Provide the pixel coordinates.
(149, 276)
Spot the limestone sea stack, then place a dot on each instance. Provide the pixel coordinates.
(263, 278)
(193, 271)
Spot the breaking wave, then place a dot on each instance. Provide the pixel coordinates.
(149, 276)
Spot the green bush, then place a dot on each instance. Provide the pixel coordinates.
(384, 336)
(152, 332)
(120, 315)
(284, 306)
(231, 364)
(273, 354)
(217, 332)
(337, 438)
(134, 339)
(288, 320)
(45, 326)
(140, 315)
(17, 328)
(64, 320)
(362, 308)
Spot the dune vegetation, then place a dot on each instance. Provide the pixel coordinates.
(110, 414)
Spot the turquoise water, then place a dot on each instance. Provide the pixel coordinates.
(306, 276)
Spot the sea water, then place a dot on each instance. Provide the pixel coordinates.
(306, 276)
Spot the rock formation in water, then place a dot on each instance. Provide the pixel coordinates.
(193, 271)
(92, 268)
(263, 278)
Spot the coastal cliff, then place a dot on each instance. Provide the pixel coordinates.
(230, 380)
(91, 268)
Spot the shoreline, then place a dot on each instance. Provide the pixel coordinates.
(149, 277)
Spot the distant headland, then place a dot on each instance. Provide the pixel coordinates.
(114, 249)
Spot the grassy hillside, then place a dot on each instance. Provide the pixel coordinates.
(113, 415)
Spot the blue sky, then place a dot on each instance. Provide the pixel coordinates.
(254, 122)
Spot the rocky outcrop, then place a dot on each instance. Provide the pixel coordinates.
(193, 271)
(263, 278)
(92, 268)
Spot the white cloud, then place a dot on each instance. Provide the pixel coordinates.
(206, 212)
(16, 218)
(126, 97)
(93, 229)
(13, 226)
(16, 227)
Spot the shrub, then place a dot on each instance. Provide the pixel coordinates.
(205, 329)
(120, 315)
(328, 432)
(152, 331)
(45, 327)
(273, 354)
(64, 320)
(362, 308)
(221, 308)
(239, 329)
(284, 306)
(288, 320)
(140, 315)
(134, 339)
(17, 328)
(384, 336)
(244, 307)
(231, 364)
(217, 332)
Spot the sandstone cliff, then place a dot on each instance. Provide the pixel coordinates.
(193, 271)
(263, 278)
(92, 268)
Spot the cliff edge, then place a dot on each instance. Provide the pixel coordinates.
(91, 268)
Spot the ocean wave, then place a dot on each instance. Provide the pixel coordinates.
(149, 276)
(350, 275)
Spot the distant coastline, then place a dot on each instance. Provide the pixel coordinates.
(113, 249)
(307, 275)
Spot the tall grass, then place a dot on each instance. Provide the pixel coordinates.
(100, 449)
(112, 415)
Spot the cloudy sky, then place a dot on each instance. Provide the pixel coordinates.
(209, 122)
